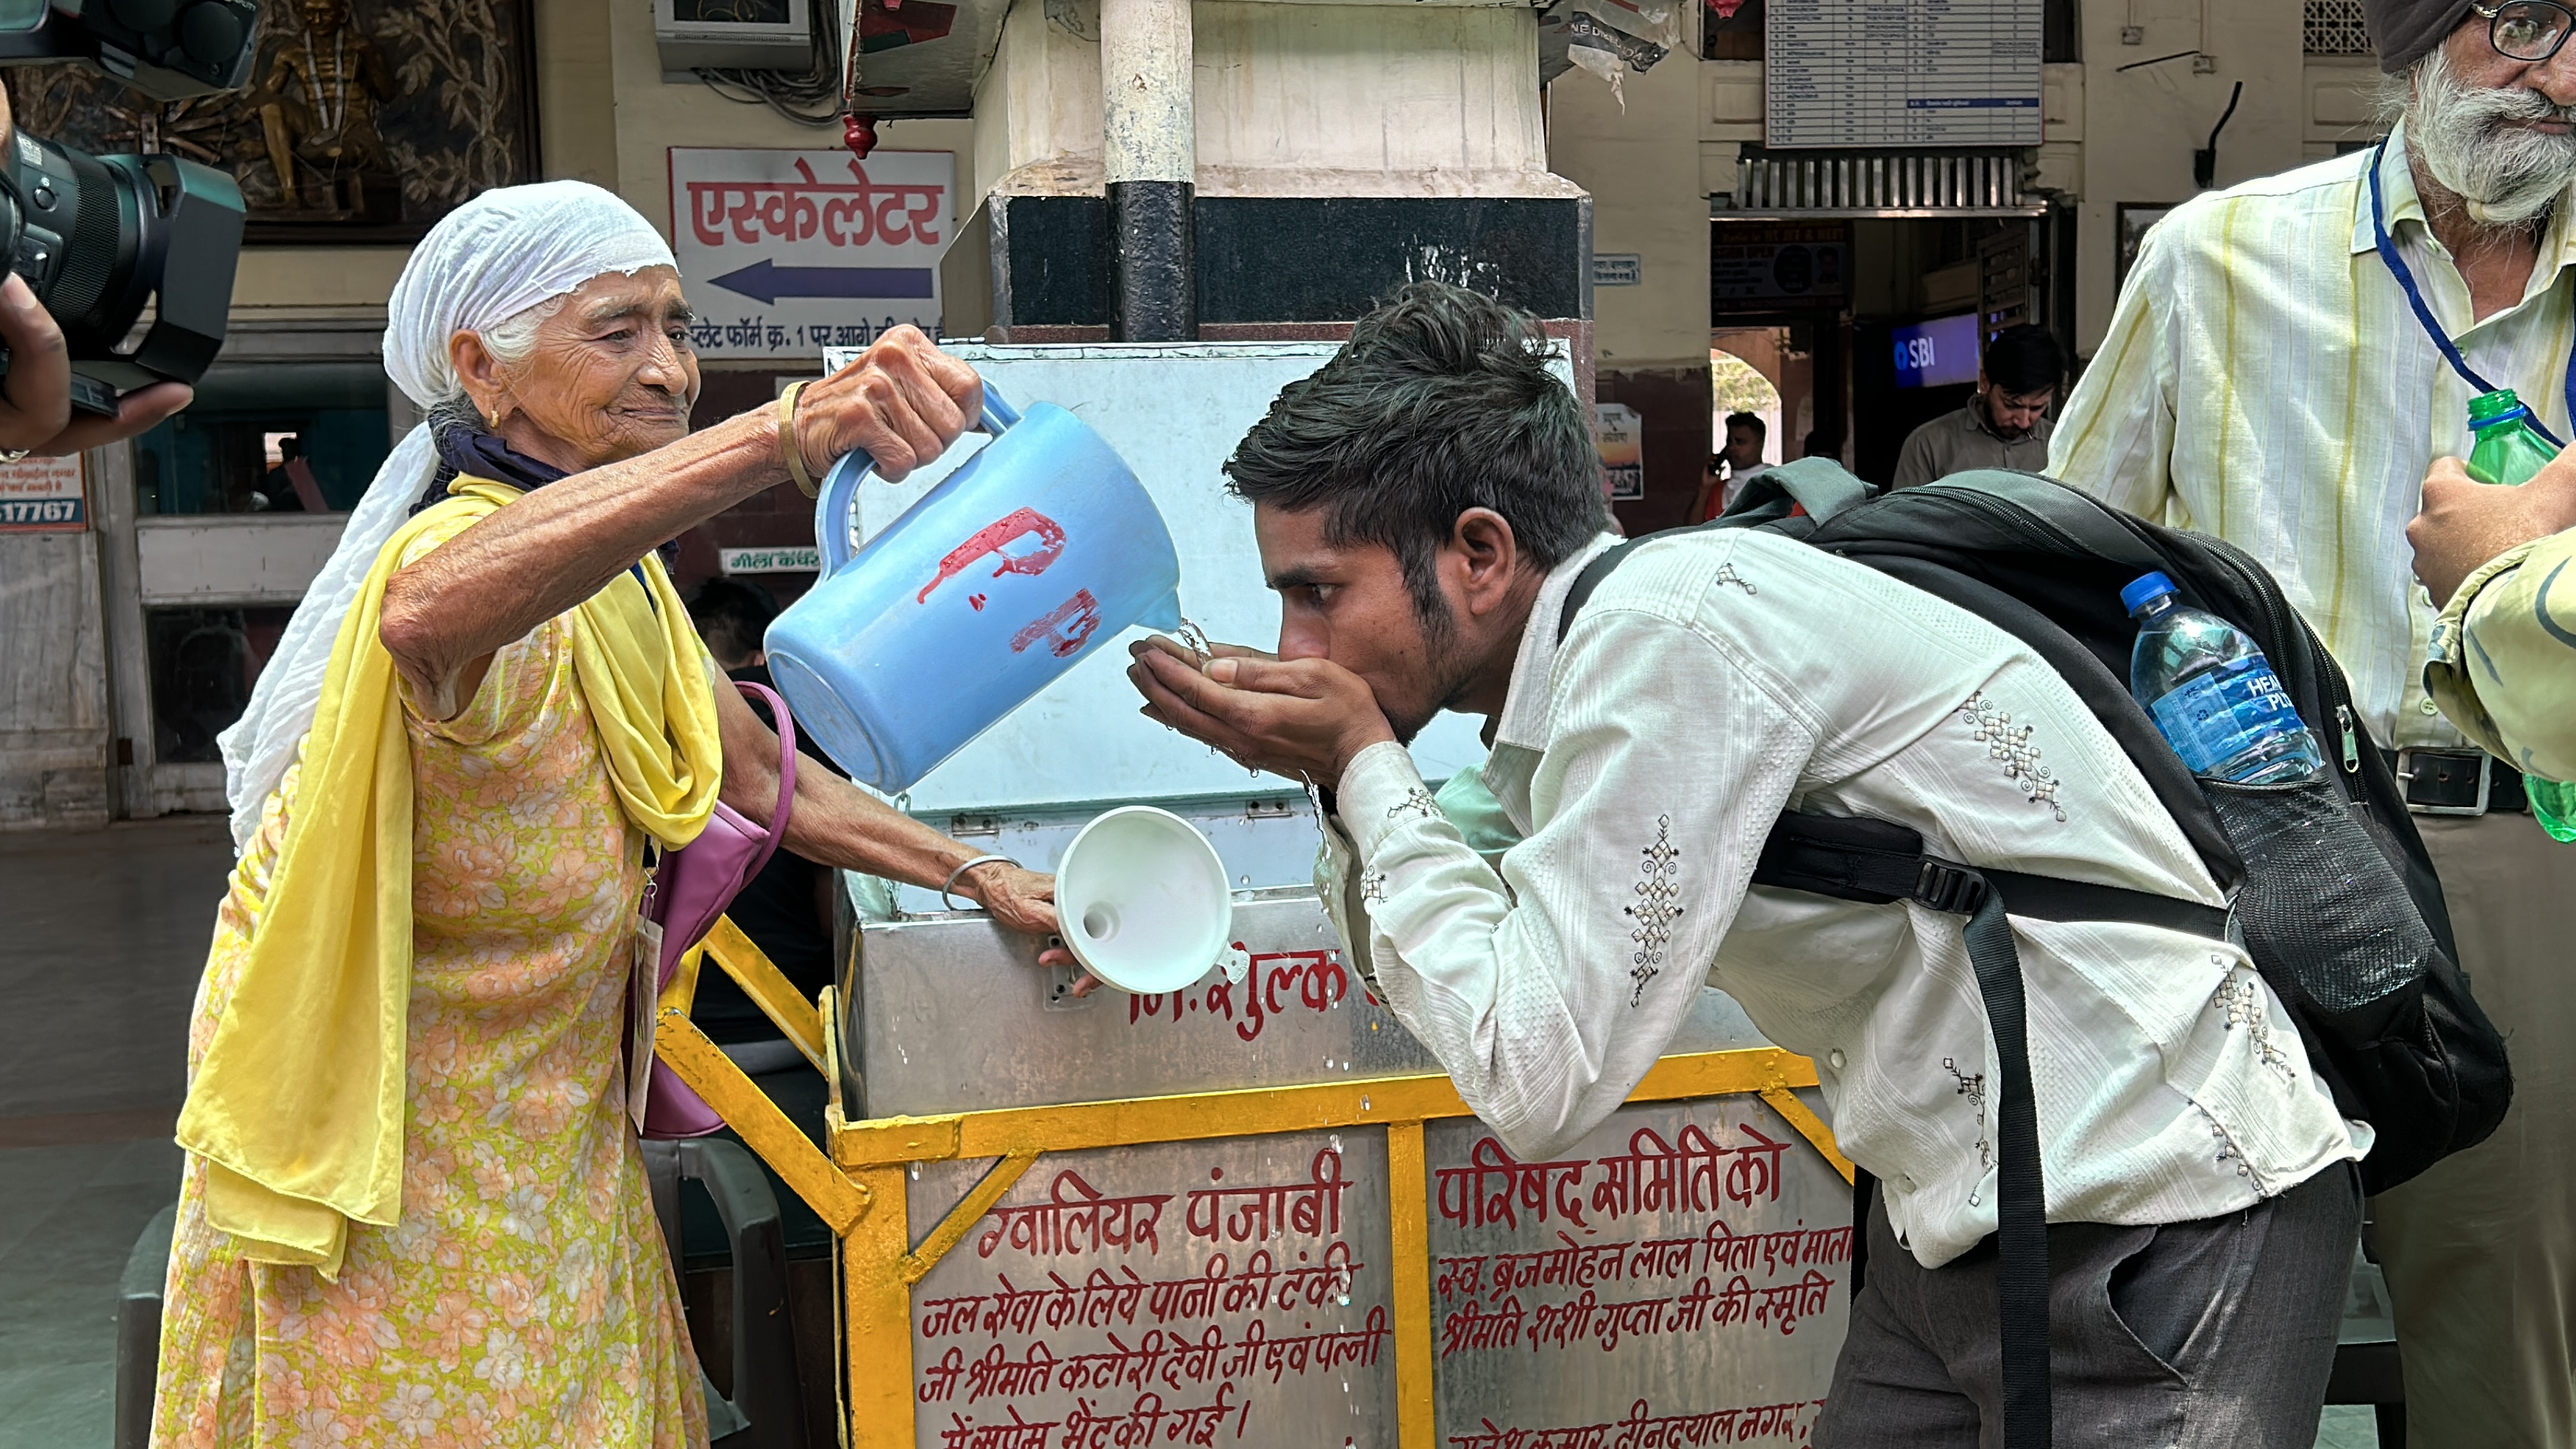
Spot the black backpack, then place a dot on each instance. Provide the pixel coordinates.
(2331, 891)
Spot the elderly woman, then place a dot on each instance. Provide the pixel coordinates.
(413, 1210)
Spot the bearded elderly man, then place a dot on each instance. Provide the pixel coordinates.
(2288, 358)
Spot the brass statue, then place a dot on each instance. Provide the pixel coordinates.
(318, 104)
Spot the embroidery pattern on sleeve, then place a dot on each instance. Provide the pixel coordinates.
(2011, 747)
(1417, 801)
(1974, 1089)
(1657, 906)
(1372, 885)
(2240, 1000)
(1726, 574)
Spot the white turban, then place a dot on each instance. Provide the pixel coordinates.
(486, 262)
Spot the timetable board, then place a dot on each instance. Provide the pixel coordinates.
(1902, 73)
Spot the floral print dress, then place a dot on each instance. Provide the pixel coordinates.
(525, 1297)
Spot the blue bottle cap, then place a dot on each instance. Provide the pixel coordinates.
(2145, 590)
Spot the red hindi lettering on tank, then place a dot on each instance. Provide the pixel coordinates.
(1067, 627)
(991, 537)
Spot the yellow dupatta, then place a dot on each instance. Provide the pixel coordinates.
(297, 1106)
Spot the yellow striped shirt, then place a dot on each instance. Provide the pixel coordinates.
(2264, 380)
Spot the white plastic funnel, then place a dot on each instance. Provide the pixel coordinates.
(1143, 900)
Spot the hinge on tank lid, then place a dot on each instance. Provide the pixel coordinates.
(1267, 810)
(961, 826)
(2351, 740)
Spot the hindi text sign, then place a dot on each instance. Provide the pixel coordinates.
(1211, 1292)
(1680, 1276)
(42, 495)
(786, 253)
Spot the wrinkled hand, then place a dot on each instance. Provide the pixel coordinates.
(1023, 901)
(1301, 718)
(902, 403)
(36, 399)
(2465, 522)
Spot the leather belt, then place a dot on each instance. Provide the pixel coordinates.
(2457, 782)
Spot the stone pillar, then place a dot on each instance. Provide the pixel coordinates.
(1340, 151)
(1150, 165)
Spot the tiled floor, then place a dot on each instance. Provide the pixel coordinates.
(2348, 1426)
(106, 933)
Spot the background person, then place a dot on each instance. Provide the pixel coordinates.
(2266, 380)
(290, 487)
(2504, 653)
(2003, 424)
(1637, 767)
(413, 1209)
(1741, 458)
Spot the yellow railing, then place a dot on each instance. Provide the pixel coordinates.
(857, 1188)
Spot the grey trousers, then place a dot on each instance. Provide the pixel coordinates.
(2191, 1335)
(2481, 1250)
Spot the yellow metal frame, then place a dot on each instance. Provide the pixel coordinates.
(858, 1187)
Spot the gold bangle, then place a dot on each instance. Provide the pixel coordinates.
(787, 444)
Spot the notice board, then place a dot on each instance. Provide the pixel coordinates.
(786, 253)
(40, 495)
(1901, 73)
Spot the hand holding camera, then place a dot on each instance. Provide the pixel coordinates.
(89, 242)
(36, 394)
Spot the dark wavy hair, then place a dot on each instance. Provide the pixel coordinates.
(1440, 402)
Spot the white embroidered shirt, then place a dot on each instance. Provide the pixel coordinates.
(1712, 681)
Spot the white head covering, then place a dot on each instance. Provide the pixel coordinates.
(487, 261)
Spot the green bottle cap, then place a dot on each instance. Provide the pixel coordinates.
(2494, 407)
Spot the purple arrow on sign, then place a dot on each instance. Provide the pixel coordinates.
(768, 281)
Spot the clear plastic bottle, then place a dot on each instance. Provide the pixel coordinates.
(2508, 451)
(2213, 695)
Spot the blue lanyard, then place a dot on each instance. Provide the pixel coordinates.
(2424, 314)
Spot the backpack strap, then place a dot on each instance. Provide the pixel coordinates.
(1878, 861)
(1820, 485)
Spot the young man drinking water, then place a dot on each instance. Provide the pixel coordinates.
(1424, 503)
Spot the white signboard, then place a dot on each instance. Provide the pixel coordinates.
(785, 253)
(1901, 73)
(786, 559)
(40, 494)
(1617, 269)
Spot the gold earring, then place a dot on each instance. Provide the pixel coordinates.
(496, 420)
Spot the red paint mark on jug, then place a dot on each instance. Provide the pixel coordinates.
(989, 540)
(1066, 627)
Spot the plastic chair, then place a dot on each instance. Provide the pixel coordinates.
(766, 1390)
(138, 1329)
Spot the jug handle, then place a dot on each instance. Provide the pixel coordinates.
(841, 486)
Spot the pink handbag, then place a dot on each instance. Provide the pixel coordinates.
(691, 889)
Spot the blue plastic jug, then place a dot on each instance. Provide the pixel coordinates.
(1040, 548)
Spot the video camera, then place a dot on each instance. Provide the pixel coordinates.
(98, 237)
